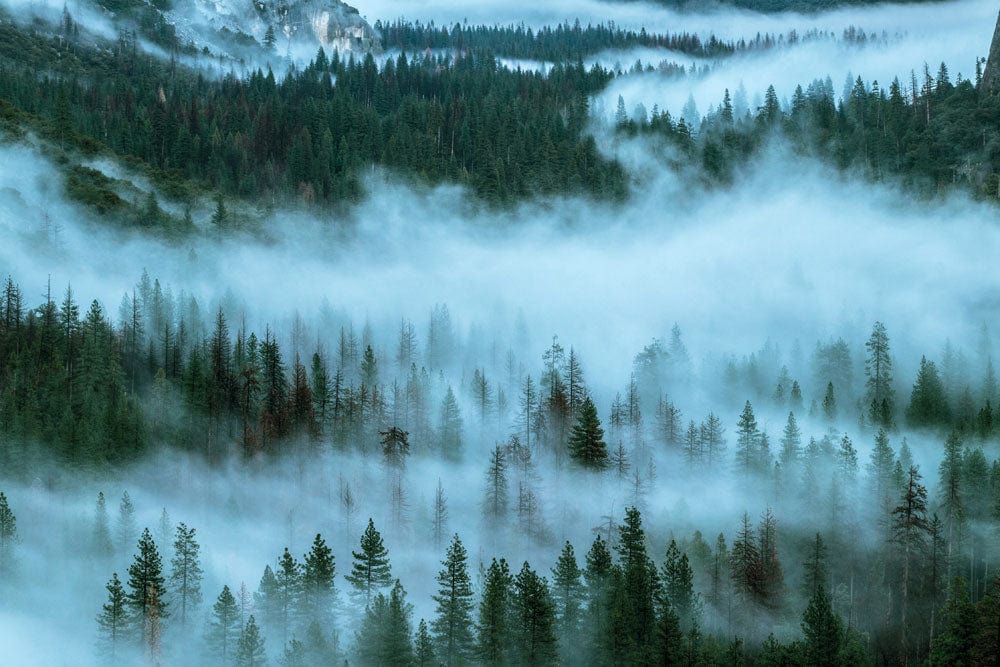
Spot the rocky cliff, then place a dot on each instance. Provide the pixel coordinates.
(991, 75)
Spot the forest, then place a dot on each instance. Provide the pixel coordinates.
(481, 345)
(97, 394)
(507, 134)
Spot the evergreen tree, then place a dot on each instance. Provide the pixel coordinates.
(747, 437)
(497, 494)
(823, 631)
(586, 444)
(395, 446)
(829, 403)
(423, 649)
(928, 401)
(791, 444)
(633, 613)
(987, 641)
(126, 528)
(439, 517)
(267, 599)
(493, 627)
(910, 529)
(288, 591)
(954, 644)
(103, 546)
(533, 626)
(451, 427)
(318, 591)
(146, 590)
(112, 622)
(567, 593)
(185, 577)
(250, 648)
(370, 570)
(814, 568)
(878, 369)
(8, 538)
(385, 638)
(452, 626)
(224, 626)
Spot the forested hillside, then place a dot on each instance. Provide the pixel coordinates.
(479, 344)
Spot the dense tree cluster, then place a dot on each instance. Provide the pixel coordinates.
(507, 134)
(928, 132)
(565, 42)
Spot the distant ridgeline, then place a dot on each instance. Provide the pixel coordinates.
(453, 114)
(774, 5)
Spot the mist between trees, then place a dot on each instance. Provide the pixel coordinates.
(771, 506)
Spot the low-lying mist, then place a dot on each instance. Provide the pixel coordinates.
(705, 299)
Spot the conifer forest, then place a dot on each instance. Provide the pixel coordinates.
(574, 332)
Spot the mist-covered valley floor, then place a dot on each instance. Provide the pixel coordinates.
(487, 356)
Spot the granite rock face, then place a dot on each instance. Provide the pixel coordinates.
(991, 74)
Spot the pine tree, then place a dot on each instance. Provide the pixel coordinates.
(267, 599)
(791, 444)
(439, 517)
(385, 638)
(423, 649)
(250, 649)
(567, 592)
(586, 444)
(493, 626)
(185, 577)
(318, 591)
(451, 427)
(452, 626)
(823, 631)
(112, 623)
(829, 403)
(954, 644)
(533, 626)
(126, 528)
(987, 641)
(633, 612)
(288, 580)
(370, 570)
(814, 569)
(880, 467)
(102, 544)
(395, 447)
(928, 400)
(146, 587)
(677, 581)
(878, 369)
(910, 529)
(8, 537)
(496, 499)
(224, 627)
(747, 436)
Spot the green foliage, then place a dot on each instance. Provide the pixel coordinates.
(495, 608)
(370, 570)
(224, 627)
(318, 591)
(586, 444)
(385, 635)
(453, 624)
(250, 650)
(146, 596)
(185, 577)
(113, 621)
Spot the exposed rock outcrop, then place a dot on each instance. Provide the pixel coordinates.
(991, 74)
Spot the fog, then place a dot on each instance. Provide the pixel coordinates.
(791, 254)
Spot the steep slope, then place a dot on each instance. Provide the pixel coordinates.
(991, 75)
